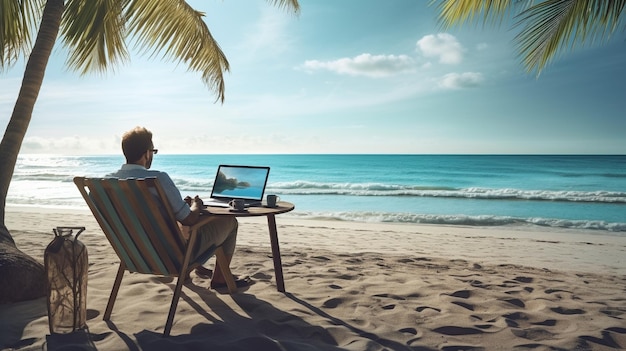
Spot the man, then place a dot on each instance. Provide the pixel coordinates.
(222, 231)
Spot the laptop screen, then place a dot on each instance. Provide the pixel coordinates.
(240, 182)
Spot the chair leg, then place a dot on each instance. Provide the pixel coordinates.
(114, 291)
(179, 284)
(222, 262)
(170, 317)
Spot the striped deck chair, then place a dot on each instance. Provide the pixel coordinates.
(140, 225)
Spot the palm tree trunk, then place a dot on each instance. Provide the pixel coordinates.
(21, 276)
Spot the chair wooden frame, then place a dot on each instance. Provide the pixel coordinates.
(138, 221)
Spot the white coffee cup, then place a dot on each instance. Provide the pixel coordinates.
(272, 200)
(237, 204)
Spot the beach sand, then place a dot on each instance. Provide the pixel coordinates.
(351, 286)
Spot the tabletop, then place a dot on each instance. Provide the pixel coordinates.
(281, 207)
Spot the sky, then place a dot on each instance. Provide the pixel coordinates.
(349, 76)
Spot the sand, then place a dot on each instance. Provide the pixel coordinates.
(351, 286)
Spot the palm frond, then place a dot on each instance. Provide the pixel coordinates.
(178, 31)
(292, 5)
(548, 26)
(94, 31)
(458, 12)
(18, 21)
(554, 25)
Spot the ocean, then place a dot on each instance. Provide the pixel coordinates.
(564, 191)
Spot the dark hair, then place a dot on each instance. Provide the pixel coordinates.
(135, 143)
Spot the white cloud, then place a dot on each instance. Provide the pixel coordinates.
(443, 46)
(70, 145)
(460, 81)
(365, 65)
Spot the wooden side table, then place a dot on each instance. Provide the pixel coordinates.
(270, 213)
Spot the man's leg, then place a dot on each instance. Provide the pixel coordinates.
(229, 250)
(222, 231)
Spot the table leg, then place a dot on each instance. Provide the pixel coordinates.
(278, 265)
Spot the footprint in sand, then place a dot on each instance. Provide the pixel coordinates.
(512, 319)
(524, 279)
(516, 302)
(346, 277)
(463, 294)
(391, 296)
(551, 291)
(483, 326)
(567, 311)
(547, 323)
(321, 258)
(422, 308)
(332, 303)
(464, 305)
(411, 331)
(454, 330)
(261, 276)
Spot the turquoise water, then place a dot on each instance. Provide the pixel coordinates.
(586, 192)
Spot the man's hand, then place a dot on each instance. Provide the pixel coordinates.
(196, 205)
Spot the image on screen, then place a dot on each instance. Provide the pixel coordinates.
(240, 182)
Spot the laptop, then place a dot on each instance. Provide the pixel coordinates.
(238, 182)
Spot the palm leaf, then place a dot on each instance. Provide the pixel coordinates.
(287, 4)
(94, 32)
(554, 25)
(548, 26)
(178, 31)
(459, 12)
(17, 20)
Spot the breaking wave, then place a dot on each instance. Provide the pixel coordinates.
(461, 220)
(377, 189)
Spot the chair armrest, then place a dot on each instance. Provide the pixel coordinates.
(204, 219)
(186, 231)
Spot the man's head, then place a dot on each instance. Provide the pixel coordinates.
(138, 147)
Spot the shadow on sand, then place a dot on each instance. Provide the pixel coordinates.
(261, 327)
